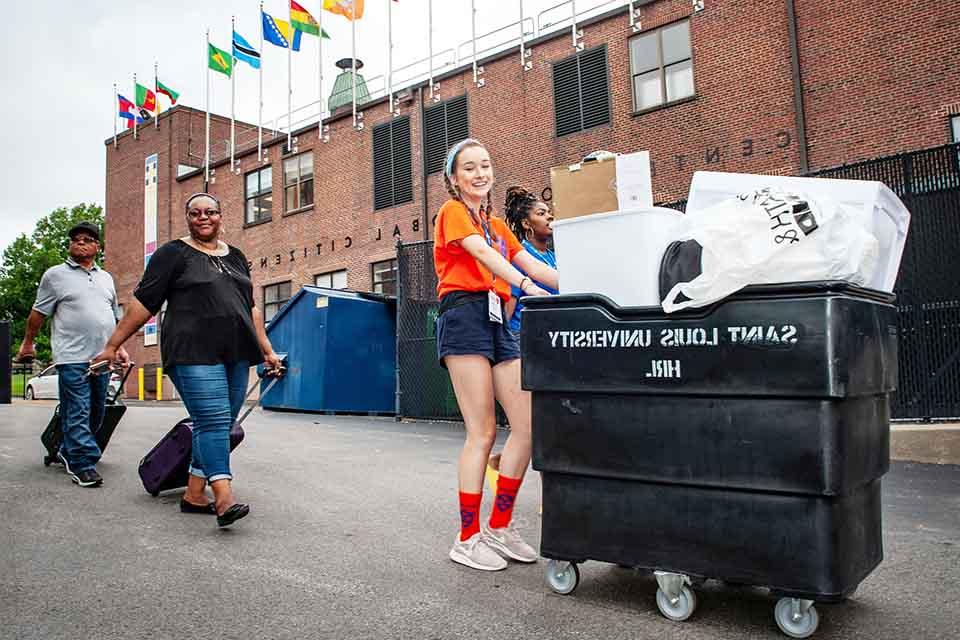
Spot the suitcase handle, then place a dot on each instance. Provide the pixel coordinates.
(262, 373)
(123, 382)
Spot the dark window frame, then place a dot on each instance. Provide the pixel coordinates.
(430, 161)
(346, 281)
(660, 68)
(299, 183)
(259, 194)
(377, 286)
(407, 195)
(279, 302)
(578, 57)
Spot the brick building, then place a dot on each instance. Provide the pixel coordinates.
(730, 85)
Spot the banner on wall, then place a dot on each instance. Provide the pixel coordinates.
(149, 233)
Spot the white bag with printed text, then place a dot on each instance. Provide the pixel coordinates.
(772, 236)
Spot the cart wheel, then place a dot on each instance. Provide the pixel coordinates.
(680, 610)
(563, 577)
(794, 619)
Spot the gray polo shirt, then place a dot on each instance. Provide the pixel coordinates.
(83, 310)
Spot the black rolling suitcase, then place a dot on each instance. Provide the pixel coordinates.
(167, 465)
(52, 436)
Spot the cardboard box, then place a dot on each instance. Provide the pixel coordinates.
(610, 183)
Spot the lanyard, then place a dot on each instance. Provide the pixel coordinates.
(486, 234)
(548, 257)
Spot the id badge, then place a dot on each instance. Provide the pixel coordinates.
(493, 306)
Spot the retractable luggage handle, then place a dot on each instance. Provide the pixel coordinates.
(256, 384)
(123, 382)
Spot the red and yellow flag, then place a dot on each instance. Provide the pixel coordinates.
(349, 9)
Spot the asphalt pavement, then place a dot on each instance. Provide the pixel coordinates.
(351, 521)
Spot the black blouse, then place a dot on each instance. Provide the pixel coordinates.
(209, 316)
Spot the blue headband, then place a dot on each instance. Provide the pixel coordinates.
(452, 155)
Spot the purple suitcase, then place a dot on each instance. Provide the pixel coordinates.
(167, 465)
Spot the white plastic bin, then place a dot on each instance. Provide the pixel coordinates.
(880, 210)
(615, 254)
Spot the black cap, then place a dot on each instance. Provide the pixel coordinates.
(89, 227)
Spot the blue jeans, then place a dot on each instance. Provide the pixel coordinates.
(213, 395)
(82, 401)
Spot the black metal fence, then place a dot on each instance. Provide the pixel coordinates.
(928, 287)
(928, 294)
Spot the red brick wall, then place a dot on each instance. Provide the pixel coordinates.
(877, 80)
(879, 77)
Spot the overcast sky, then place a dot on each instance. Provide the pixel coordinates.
(62, 58)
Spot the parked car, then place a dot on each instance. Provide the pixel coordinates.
(46, 386)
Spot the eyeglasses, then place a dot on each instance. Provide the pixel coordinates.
(210, 213)
(84, 240)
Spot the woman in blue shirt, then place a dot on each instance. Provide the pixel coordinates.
(530, 220)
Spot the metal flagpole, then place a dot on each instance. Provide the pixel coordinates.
(136, 107)
(156, 98)
(473, 40)
(524, 53)
(430, 44)
(390, 55)
(320, 65)
(233, 84)
(260, 104)
(353, 57)
(206, 144)
(290, 80)
(116, 101)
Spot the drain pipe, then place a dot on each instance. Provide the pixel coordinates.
(423, 164)
(801, 119)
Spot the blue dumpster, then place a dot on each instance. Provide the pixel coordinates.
(341, 350)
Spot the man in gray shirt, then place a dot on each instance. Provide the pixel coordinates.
(82, 302)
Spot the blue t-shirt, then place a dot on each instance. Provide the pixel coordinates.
(547, 257)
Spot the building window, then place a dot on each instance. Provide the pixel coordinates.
(445, 124)
(274, 297)
(661, 65)
(955, 128)
(581, 92)
(392, 164)
(332, 279)
(258, 195)
(385, 277)
(298, 182)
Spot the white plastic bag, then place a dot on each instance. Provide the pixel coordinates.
(771, 236)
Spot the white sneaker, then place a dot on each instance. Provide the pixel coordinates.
(476, 554)
(508, 542)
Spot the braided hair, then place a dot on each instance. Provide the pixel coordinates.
(486, 205)
(519, 203)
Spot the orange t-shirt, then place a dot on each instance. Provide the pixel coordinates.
(457, 270)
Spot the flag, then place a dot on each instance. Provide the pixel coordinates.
(167, 91)
(278, 32)
(244, 52)
(219, 60)
(343, 8)
(301, 19)
(129, 111)
(146, 98)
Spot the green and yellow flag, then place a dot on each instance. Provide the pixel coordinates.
(220, 60)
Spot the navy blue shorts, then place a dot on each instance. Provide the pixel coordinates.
(466, 330)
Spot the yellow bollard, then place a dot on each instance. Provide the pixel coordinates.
(159, 383)
(140, 384)
(493, 472)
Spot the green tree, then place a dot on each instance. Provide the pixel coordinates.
(24, 262)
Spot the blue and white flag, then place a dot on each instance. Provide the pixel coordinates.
(244, 52)
(279, 32)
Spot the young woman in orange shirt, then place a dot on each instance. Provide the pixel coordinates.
(474, 254)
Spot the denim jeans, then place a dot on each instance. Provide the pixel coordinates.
(213, 395)
(82, 401)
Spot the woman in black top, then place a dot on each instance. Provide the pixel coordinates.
(212, 333)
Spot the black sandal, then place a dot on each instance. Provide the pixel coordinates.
(209, 509)
(232, 514)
